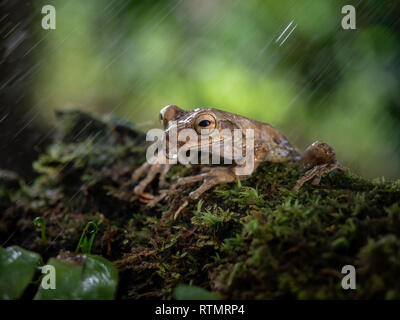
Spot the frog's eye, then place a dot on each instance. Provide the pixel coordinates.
(205, 124)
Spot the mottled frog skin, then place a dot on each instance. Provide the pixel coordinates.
(269, 145)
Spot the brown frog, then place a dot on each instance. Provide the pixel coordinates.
(269, 145)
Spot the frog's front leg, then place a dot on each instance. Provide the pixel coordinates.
(158, 166)
(210, 179)
(322, 159)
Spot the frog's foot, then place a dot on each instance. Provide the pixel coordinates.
(321, 157)
(210, 179)
(151, 171)
(316, 173)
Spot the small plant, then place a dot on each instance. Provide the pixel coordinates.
(40, 225)
(212, 219)
(87, 238)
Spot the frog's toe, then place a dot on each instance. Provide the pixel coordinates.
(182, 206)
(139, 189)
(146, 196)
(153, 200)
(151, 174)
(195, 195)
(163, 175)
(140, 171)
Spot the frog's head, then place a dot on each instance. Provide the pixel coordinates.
(207, 124)
(204, 121)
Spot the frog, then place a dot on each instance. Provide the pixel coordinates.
(269, 145)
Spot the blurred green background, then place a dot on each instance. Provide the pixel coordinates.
(131, 58)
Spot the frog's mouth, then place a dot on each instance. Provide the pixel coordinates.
(196, 149)
(172, 153)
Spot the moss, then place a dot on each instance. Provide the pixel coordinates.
(252, 239)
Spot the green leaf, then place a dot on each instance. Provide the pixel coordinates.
(81, 277)
(185, 292)
(17, 268)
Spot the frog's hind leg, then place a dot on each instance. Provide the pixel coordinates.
(322, 159)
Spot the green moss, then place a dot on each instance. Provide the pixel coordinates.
(251, 239)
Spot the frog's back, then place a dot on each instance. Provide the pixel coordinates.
(278, 147)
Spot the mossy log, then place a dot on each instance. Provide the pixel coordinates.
(252, 240)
